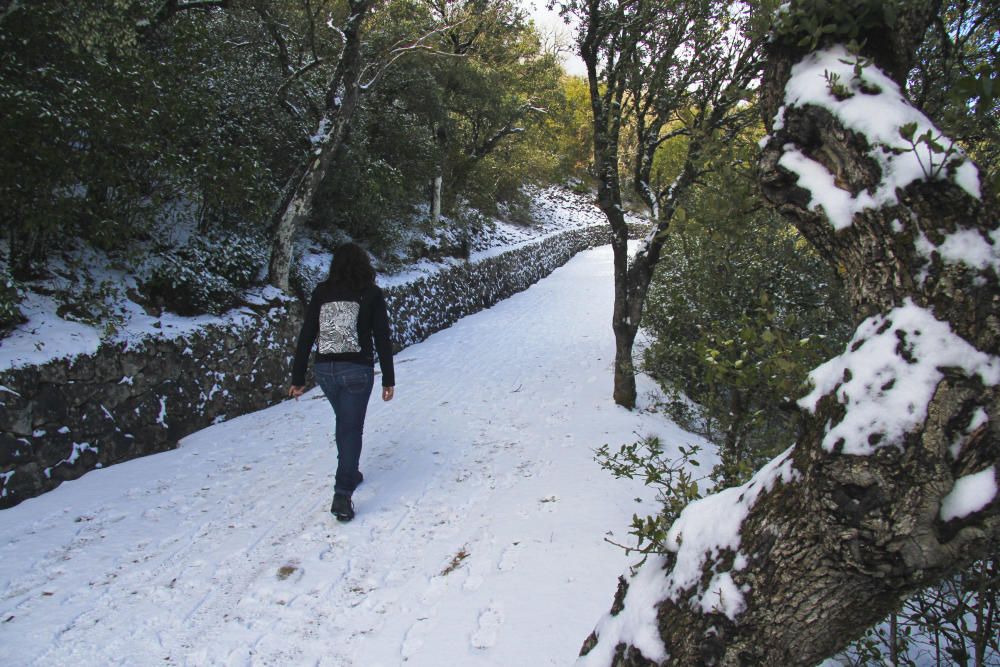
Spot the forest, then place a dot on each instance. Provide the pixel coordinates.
(201, 147)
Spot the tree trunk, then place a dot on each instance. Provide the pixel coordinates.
(893, 640)
(436, 199)
(832, 535)
(622, 71)
(624, 390)
(342, 98)
(623, 324)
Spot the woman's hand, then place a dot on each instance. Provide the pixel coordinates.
(295, 391)
(388, 393)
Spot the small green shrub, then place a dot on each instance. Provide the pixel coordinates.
(238, 259)
(675, 486)
(187, 288)
(205, 275)
(93, 302)
(11, 295)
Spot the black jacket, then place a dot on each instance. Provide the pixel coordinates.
(346, 325)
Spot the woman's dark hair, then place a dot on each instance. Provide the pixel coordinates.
(351, 268)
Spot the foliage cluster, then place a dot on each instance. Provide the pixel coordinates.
(738, 313)
(811, 23)
(205, 275)
(671, 477)
(10, 297)
(956, 81)
(119, 113)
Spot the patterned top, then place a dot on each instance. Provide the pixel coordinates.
(345, 325)
(338, 327)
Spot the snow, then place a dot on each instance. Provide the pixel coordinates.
(875, 108)
(635, 624)
(838, 204)
(887, 377)
(322, 132)
(45, 336)
(710, 526)
(704, 531)
(33, 342)
(223, 551)
(554, 211)
(965, 246)
(978, 420)
(970, 494)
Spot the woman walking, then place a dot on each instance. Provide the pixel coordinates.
(347, 320)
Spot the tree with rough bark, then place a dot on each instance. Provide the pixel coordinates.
(341, 100)
(495, 86)
(658, 71)
(892, 482)
(355, 74)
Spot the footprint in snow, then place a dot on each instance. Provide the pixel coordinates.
(509, 557)
(472, 583)
(414, 639)
(490, 620)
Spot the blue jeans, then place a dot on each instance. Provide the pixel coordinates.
(347, 386)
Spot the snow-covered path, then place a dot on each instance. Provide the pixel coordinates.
(480, 531)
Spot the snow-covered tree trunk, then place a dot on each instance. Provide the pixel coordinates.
(341, 101)
(893, 481)
(436, 199)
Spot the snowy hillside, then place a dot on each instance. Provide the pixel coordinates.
(553, 210)
(480, 531)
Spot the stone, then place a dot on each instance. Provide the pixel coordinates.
(81, 369)
(50, 407)
(107, 367)
(53, 372)
(16, 420)
(26, 482)
(133, 363)
(64, 471)
(14, 450)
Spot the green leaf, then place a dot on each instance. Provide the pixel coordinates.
(907, 131)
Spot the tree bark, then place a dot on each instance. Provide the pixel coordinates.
(631, 52)
(342, 98)
(836, 541)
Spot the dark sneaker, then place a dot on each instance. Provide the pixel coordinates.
(342, 507)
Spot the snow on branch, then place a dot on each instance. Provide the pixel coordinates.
(902, 141)
(706, 530)
(888, 375)
(965, 246)
(403, 48)
(970, 494)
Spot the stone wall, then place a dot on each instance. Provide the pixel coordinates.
(61, 419)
